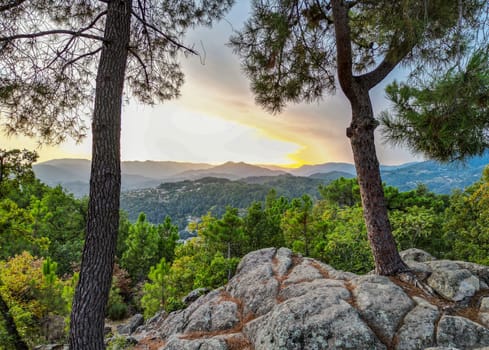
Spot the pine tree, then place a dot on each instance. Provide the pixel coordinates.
(60, 58)
(296, 51)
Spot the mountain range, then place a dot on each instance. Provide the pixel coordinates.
(74, 174)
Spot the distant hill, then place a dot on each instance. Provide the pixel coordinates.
(63, 170)
(73, 174)
(438, 177)
(308, 170)
(333, 175)
(231, 171)
(160, 169)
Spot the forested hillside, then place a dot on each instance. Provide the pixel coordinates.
(180, 200)
(43, 231)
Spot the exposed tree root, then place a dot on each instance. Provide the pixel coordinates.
(410, 277)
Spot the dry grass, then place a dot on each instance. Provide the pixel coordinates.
(321, 269)
(471, 311)
(150, 344)
(238, 342)
(447, 307)
(225, 296)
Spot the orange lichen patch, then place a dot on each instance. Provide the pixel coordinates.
(475, 301)
(149, 344)
(471, 313)
(296, 260)
(279, 279)
(280, 299)
(321, 269)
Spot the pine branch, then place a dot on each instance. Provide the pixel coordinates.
(174, 42)
(51, 32)
(80, 57)
(146, 32)
(94, 21)
(397, 52)
(141, 62)
(70, 41)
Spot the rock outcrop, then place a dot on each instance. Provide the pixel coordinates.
(279, 300)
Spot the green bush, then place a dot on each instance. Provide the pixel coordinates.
(174, 304)
(117, 311)
(119, 343)
(116, 308)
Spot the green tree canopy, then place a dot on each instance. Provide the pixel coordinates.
(445, 117)
(298, 225)
(60, 58)
(15, 167)
(296, 51)
(146, 244)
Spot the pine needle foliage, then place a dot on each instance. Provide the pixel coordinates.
(49, 51)
(448, 117)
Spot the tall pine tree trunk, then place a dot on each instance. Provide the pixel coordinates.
(361, 134)
(87, 317)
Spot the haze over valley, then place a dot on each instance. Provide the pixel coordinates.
(73, 174)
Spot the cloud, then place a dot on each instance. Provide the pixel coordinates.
(216, 118)
(176, 133)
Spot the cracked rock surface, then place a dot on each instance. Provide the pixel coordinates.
(279, 300)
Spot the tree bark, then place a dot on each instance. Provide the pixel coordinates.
(92, 292)
(361, 134)
(10, 326)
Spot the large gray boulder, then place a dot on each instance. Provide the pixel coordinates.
(452, 281)
(416, 255)
(132, 324)
(177, 343)
(461, 333)
(381, 303)
(418, 329)
(279, 300)
(319, 316)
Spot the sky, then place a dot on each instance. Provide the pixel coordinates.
(216, 119)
